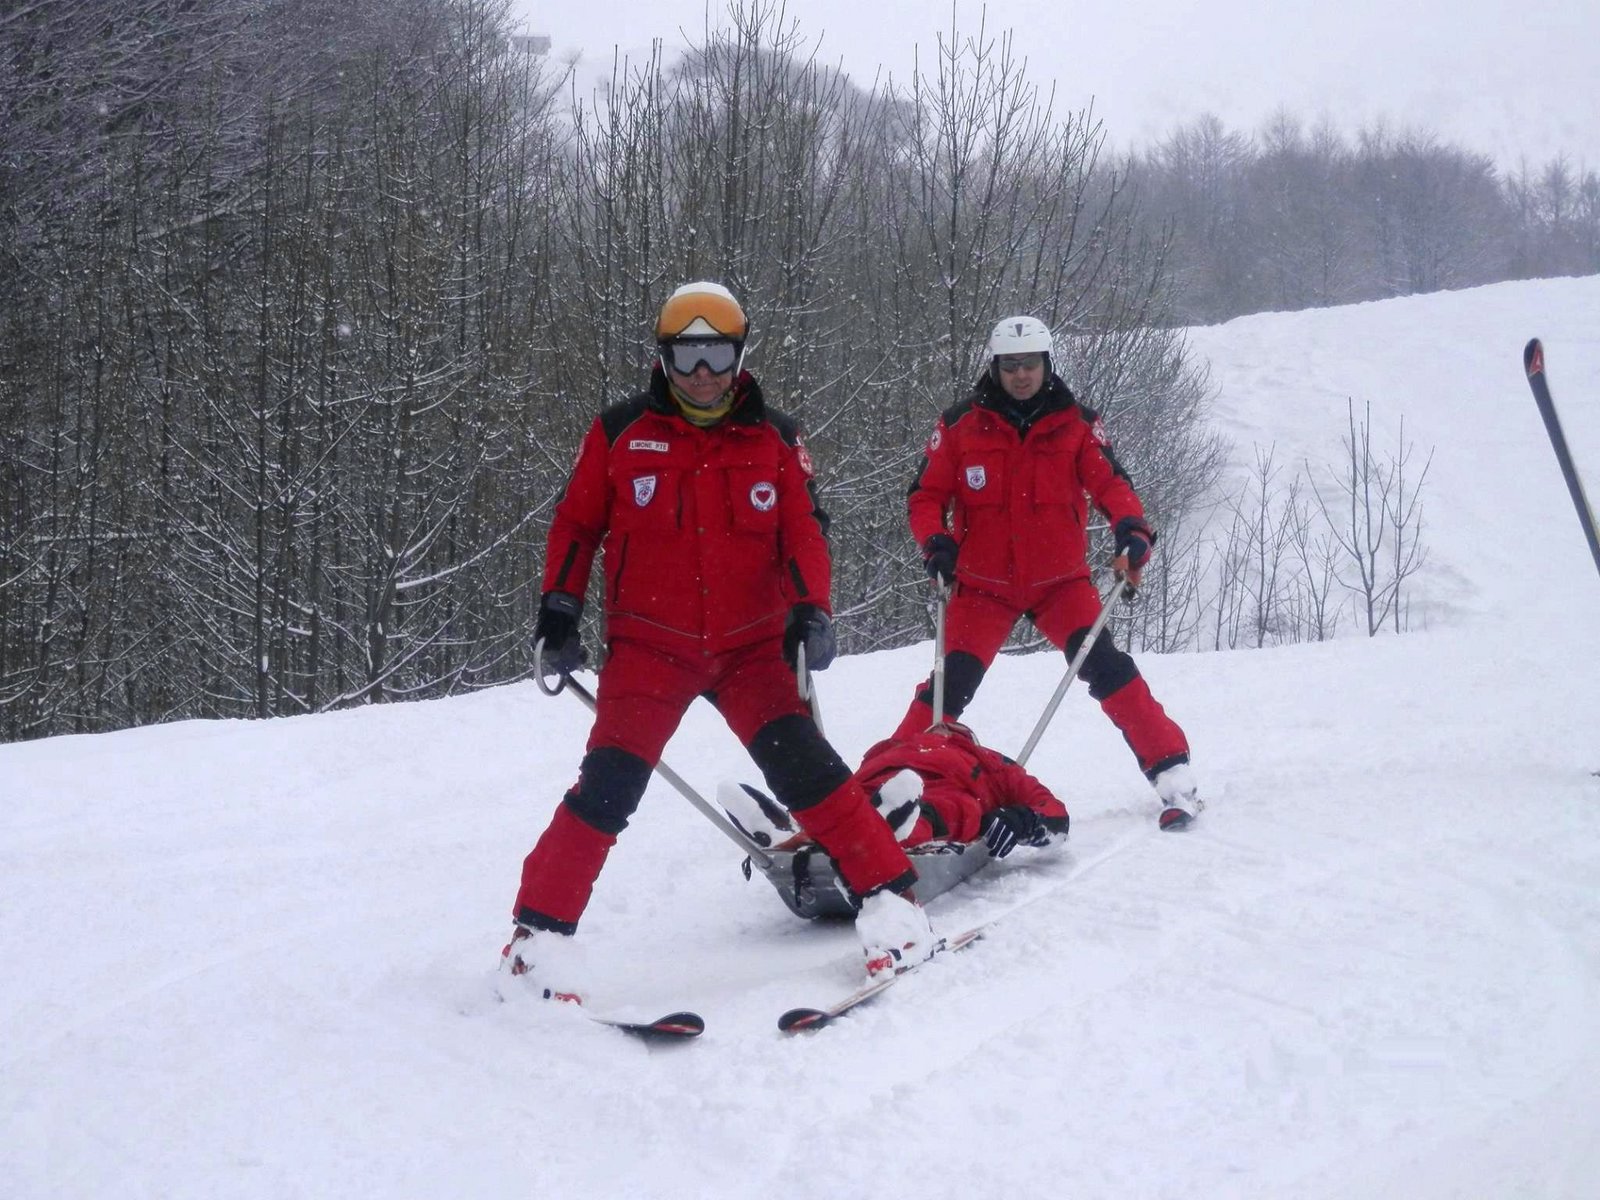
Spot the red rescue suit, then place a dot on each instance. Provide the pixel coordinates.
(961, 780)
(709, 536)
(1012, 483)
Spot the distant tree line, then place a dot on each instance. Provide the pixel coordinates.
(1301, 218)
(304, 308)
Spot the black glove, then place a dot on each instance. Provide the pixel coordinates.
(557, 628)
(939, 557)
(810, 625)
(1134, 540)
(1005, 828)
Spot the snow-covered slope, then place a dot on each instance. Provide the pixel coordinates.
(255, 960)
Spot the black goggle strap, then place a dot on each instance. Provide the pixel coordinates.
(682, 357)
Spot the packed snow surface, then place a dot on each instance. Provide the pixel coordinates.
(258, 959)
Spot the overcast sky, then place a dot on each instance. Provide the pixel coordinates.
(1508, 77)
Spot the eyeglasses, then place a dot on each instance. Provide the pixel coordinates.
(1020, 362)
(684, 355)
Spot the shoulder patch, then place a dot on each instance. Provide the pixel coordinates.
(1096, 424)
(788, 428)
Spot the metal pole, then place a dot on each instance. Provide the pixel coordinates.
(1118, 589)
(808, 690)
(940, 602)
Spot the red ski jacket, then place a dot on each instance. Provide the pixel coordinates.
(1015, 491)
(961, 780)
(709, 535)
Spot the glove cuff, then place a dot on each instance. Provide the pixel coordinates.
(565, 603)
(1139, 525)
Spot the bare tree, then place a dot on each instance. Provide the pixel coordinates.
(1379, 504)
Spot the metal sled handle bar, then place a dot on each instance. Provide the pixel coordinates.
(1119, 588)
(570, 684)
(538, 672)
(808, 690)
(940, 603)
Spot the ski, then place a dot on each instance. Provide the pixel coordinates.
(674, 1027)
(799, 1020)
(1533, 363)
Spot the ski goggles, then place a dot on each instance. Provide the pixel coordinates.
(683, 355)
(1019, 362)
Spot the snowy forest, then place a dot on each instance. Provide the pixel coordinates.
(304, 308)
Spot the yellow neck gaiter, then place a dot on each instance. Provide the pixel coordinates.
(700, 415)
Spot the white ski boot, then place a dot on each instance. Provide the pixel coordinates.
(1180, 796)
(544, 961)
(894, 933)
(900, 802)
(758, 816)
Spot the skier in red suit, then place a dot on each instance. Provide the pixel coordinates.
(1000, 509)
(943, 785)
(940, 784)
(716, 572)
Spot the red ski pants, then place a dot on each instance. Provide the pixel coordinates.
(642, 696)
(977, 625)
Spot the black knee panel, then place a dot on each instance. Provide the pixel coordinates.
(1107, 670)
(963, 673)
(797, 762)
(610, 785)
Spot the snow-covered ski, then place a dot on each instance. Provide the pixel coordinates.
(674, 1027)
(798, 1020)
(1533, 363)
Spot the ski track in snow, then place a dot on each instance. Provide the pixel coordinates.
(257, 960)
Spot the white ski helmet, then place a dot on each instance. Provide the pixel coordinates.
(1020, 335)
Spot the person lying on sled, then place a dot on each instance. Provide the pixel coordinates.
(938, 785)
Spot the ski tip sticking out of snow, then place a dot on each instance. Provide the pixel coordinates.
(800, 1020)
(674, 1027)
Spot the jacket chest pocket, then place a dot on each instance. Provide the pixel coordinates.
(647, 497)
(981, 478)
(1055, 481)
(752, 498)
